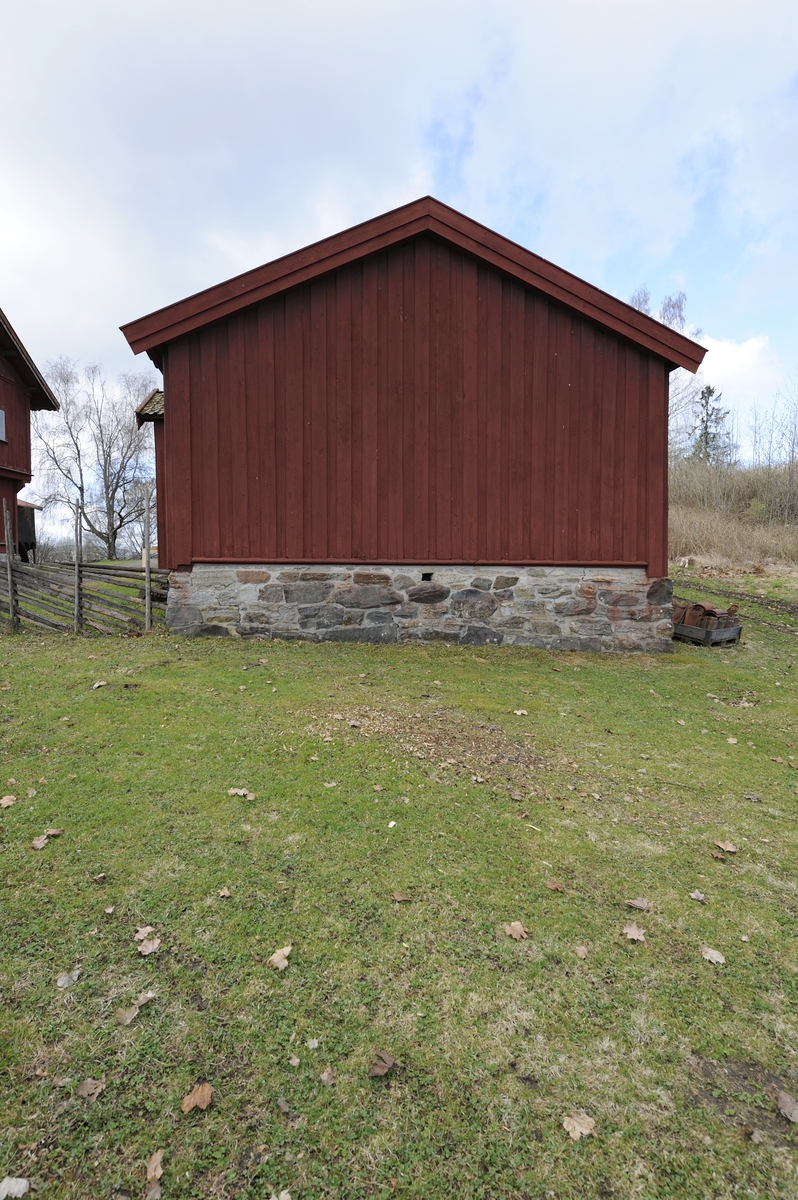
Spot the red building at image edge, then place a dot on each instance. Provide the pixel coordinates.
(22, 389)
(414, 430)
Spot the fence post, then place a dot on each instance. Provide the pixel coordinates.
(78, 617)
(147, 569)
(9, 536)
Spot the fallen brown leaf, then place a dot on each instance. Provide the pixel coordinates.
(788, 1106)
(144, 998)
(198, 1097)
(154, 1190)
(279, 960)
(237, 791)
(378, 787)
(90, 1089)
(126, 1016)
(728, 847)
(154, 1168)
(149, 946)
(699, 896)
(579, 1125)
(284, 1106)
(142, 932)
(382, 1063)
(718, 855)
(67, 978)
(580, 951)
(100, 683)
(640, 903)
(109, 908)
(554, 886)
(225, 893)
(328, 1076)
(515, 930)
(399, 897)
(40, 842)
(99, 878)
(294, 1061)
(53, 832)
(634, 933)
(713, 956)
(7, 801)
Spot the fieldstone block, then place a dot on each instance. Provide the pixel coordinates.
(620, 599)
(530, 608)
(428, 593)
(406, 611)
(320, 574)
(553, 591)
(590, 627)
(361, 633)
(428, 612)
(378, 616)
(504, 581)
(544, 628)
(504, 595)
(660, 592)
(273, 593)
(363, 578)
(484, 585)
(321, 616)
(575, 606)
(403, 582)
(414, 634)
(368, 596)
(481, 635)
(183, 618)
(307, 592)
(253, 576)
(473, 604)
(512, 622)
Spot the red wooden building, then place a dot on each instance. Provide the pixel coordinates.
(22, 388)
(421, 396)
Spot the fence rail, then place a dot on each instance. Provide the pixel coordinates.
(66, 596)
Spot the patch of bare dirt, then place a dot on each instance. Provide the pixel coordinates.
(744, 1095)
(446, 739)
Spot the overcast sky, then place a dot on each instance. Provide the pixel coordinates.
(148, 150)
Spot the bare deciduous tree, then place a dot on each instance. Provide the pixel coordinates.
(92, 454)
(685, 388)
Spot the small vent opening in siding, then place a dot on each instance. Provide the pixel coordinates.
(426, 576)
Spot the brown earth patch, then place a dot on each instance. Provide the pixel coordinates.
(744, 1094)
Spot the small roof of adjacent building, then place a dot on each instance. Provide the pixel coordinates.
(151, 407)
(11, 348)
(425, 216)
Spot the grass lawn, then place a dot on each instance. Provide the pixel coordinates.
(615, 783)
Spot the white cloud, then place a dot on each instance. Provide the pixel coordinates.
(749, 373)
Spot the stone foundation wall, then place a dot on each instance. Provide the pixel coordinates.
(555, 608)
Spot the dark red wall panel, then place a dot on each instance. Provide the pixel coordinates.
(416, 406)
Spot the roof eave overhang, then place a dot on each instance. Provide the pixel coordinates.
(39, 394)
(428, 216)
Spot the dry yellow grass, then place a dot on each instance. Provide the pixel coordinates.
(727, 539)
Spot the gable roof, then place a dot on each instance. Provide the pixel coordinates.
(424, 216)
(21, 362)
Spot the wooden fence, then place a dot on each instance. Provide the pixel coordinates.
(82, 596)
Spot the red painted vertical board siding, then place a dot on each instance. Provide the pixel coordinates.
(415, 406)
